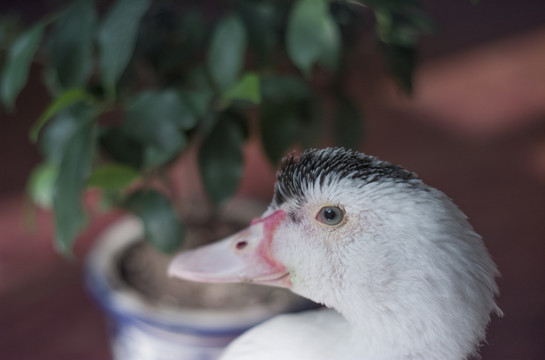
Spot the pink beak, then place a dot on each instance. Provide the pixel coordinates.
(243, 257)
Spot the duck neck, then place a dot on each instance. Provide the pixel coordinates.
(381, 332)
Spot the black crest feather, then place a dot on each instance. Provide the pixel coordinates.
(322, 166)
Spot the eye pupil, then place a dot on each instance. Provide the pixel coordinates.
(329, 214)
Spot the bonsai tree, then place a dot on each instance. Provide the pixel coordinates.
(136, 84)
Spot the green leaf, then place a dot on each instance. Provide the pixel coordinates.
(162, 226)
(331, 43)
(157, 120)
(56, 135)
(19, 59)
(117, 38)
(199, 101)
(162, 106)
(284, 89)
(226, 53)
(72, 44)
(68, 98)
(262, 19)
(402, 28)
(51, 82)
(304, 47)
(221, 159)
(399, 29)
(112, 177)
(348, 124)
(154, 156)
(41, 184)
(247, 89)
(280, 125)
(74, 170)
(312, 35)
(122, 148)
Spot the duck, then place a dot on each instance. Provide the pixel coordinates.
(401, 273)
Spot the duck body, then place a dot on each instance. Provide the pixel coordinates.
(406, 275)
(302, 336)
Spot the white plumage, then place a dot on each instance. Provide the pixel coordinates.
(406, 274)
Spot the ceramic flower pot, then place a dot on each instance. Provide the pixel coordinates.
(143, 330)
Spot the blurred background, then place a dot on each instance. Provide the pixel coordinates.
(474, 128)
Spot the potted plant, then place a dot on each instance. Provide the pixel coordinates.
(139, 84)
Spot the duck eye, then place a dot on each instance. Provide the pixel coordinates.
(330, 215)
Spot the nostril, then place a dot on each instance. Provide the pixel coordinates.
(241, 245)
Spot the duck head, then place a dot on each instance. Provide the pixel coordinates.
(371, 240)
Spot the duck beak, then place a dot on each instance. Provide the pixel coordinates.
(243, 257)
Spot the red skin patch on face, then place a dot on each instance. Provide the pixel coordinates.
(264, 250)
